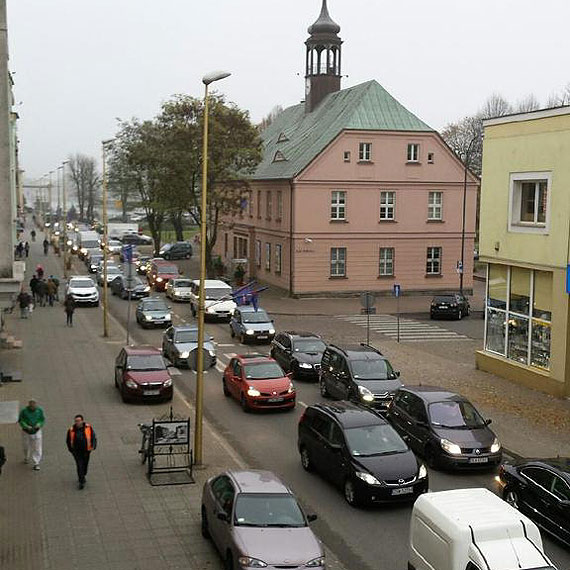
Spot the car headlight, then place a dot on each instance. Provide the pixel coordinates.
(422, 473)
(131, 384)
(184, 354)
(291, 388)
(365, 394)
(450, 447)
(367, 478)
(251, 391)
(211, 353)
(249, 332)
(159, 279)
(147, 289)
(316, 562)
(83, 251)
(167, 383)
(148, 318)
(168, 317)
(496, 446)
(69, 242)
(210, 310)
(305, 365)
(248, 562)
(271, 331)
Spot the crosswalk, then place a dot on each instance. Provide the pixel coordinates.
(410, 330)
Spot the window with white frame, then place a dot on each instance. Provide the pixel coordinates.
(386, 266)
(529, 203)
(435, 206)
(267, 257)
(338, 261)
(258, 253)
(365, 152)
(278, 252)
(338, 205)
(387, 205)
(433, 261)
(413, 152)
(279, 204)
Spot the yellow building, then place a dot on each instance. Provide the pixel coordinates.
(525, 240)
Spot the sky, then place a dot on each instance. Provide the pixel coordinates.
(79, 65)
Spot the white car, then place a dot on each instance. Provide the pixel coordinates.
(114, 247)
(83, 290)
(178, 289)
(219, 303)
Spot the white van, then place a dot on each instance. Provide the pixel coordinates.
(218, 303)
(472, 529)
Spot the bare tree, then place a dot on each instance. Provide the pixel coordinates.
(86, 181)
(273, 114)
(495, 106)
(527, 104)
(560, 98)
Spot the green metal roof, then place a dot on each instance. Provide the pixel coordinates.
(365, 107)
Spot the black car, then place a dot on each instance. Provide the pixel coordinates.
(120, 286)
(449, 306)
(444, 427)
(540, 488)
(299, 353)
(142, 263)
(360, 452)
(359, 373)
(178, 250)
(135, 239)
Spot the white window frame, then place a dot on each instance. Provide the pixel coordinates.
(337, 260)
(278, 254)
(267, 256)
(435, 207)
(387, 205)
(413, 154)
(386, 261)
(514, 223)
(365, 152)
(338, 205)
(431, 258)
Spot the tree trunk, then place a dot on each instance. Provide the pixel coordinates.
(155, 227)
(176, 220)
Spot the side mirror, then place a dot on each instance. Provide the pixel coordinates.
(222, 517)
(397, 373)
(312, 518)
(289, 375)
(335, 446)
(488, 421)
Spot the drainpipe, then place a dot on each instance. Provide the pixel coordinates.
(291, 246)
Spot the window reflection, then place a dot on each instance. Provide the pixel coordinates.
(518, 339)
(495, 331)
(520, 290)
(540, 344)
(497, 295)
(542, 303)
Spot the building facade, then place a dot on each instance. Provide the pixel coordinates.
(354, 193)
(525, 240)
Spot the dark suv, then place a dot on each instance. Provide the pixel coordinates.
(359, 373)
(360, 452)
(455, 306)
(299, 353)
(178, 250)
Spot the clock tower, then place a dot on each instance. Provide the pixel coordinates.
(322, 66)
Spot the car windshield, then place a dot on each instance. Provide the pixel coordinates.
(263, 371)
(113, 269)
(81, 283)
(166, 247)
(455, 415)
(215, 294)
(377, 369)
(186, 336)
(155, 306)
(259, 316)
(268, 510)
(182, 283)
(134, 282)
(309, 345)
(446, 299)
(146, 362)
(95, 259)
(374, 440)
(167, 270)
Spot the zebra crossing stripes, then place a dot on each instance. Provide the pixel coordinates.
(410, 330)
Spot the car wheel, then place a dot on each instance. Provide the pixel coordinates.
(124, 396)
(350, 493)
(511, 497)
(229, 561)
(244, 405)
(323, 389)
(204, 524)
(306, 461)
(225, 389)
(431, 457)
(242, 338)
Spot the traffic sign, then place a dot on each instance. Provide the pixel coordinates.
(367, 299)
(397, 290)
(128, 253)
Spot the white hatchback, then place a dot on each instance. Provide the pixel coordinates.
(83, 290)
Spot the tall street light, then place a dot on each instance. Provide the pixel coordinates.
(64, 206)
(206, 80)
(104, 146)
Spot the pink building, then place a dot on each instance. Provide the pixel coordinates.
(354, 193)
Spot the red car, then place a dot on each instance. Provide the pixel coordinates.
(141, 374)
(258, 383)
(160, 273)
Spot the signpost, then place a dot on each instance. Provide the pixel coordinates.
(397, 292)
(368, 301)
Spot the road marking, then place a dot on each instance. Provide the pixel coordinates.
(302, 404)
(222, 345)
(175, 372)
(229, 355)
(220, 367)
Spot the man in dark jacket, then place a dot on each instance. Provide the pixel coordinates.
(81, 441)
(33, 286)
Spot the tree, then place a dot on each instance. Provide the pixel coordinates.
(527, 104)
(86, 181)
(273, 114)
(121, 185)
(559, 99)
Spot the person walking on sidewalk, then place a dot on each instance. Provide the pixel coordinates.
(24, 301)
(31, 421)
(69, 305)
(33, 286)
(27, 248)
(81, 441)
(41, 292)
(51, 291)
(56, 283)
(46, 246)
(33, 233)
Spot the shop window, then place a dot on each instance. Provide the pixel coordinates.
(518, 338)
(520, 290)
(542, 302)
(497, 286)
(495, 337)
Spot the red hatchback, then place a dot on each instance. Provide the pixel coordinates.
(141, 374)
(258, 383)
(160, 273)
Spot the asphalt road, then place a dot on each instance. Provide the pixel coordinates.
(368, 539)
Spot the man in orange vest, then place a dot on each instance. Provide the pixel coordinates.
(81, 441)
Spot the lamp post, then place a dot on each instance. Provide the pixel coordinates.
(104, 145)
(64, 206)
(206, 80)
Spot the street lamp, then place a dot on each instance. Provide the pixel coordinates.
(64, 206)
(206, 80)
(104, 146)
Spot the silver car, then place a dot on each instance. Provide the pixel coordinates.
(254, 520)
(178, 289)
(179, 346)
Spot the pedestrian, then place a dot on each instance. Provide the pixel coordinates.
(24, 300)
(42, 291)
(2, 458)
(81, 441)
(40, 271)
(27, 248)
(31, 421)
(51, 291)
(46, 246)
(69, 305)
(33, 287)
(34, 235)
(56, 283)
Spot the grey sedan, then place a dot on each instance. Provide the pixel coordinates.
(254, 520)
(179, 346)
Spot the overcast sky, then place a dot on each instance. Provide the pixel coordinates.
(80, 64)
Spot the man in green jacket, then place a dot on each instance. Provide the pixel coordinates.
(31, 421)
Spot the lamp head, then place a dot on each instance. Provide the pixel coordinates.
(215, 76)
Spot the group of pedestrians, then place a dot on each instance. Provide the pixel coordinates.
(44, 290)
(22, 249)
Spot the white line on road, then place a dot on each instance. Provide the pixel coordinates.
(223, 345)
(302, 404)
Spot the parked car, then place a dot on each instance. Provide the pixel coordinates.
(445, 428)
(258, 383)
(177, 250)
(142, 374)
(142, 263)
(178, 289)
(179, 345)
(359, 373)
(135, 239)
(251, 324)
(121, 285)
(449, 306)
(83, 290)
(361, 453)
(299, 353)
(255, 521)
(113, 271)
(219, 303)
(540, 488)
(160, 273)
(152, 312)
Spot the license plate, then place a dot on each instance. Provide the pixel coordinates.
(478, 460)
(262, 336)
(151, 392)
(403, 491)
(275, 400)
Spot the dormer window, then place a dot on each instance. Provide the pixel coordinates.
(282, 138)
(279, 157)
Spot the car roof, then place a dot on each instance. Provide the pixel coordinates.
(258, 481)
(562, 464)
(151, 299)
(349, 414)
(301, 334)
(141, 350)
(254, 357)
(433, 393)
(182, 328)
(213, 283)
(80, 277)
(359, 351)
(250, 309)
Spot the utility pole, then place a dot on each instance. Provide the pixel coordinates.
(64, 199)
(105, 242)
